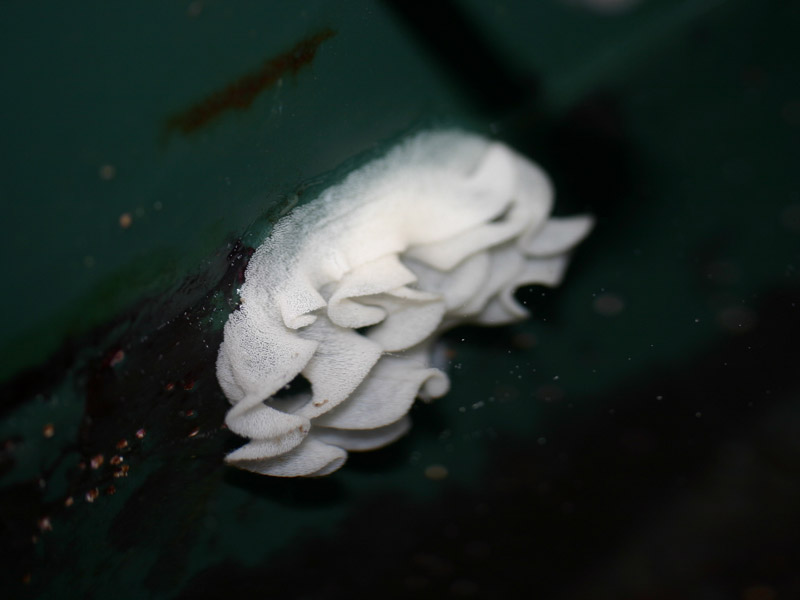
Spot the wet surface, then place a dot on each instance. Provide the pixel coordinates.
(569, 514)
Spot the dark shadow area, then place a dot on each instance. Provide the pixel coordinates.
(590, 156)
(644, 475)
(463, 52)
(290, 491)
(151, 419)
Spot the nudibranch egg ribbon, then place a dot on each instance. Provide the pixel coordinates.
(351, 290)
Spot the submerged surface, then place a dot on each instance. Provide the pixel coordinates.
(638, 438)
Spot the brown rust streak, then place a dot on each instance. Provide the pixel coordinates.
(240, 94)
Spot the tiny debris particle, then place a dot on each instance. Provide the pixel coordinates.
(140, 433)
(122, 444)
(463, 588)
(122, 471)
(170, 386)
(759, 592)
(190, 413)
(436, 472)
(117, 358)
(524, 341)
(111, 490)
(116, 460)
(45, 524)
(48, 430)
(125, 220)
(194, 432)
(92, 495)
(69, 501)
(550, 393)
(194, 10)
(97, 461)
(189, 384)
(608, 305)
(790, 217)
(737, 319)
(107, 172)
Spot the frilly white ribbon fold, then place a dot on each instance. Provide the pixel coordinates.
(351, 291)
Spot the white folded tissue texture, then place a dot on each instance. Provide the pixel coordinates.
(351, 291)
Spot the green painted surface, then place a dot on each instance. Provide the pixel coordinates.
(704, 231)
(90, 88)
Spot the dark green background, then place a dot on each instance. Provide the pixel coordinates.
(649, 453)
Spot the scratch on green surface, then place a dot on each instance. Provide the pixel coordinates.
(241, 93)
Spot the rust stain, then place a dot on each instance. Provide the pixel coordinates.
(240, 94)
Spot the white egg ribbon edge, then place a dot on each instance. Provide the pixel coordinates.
(351, 290)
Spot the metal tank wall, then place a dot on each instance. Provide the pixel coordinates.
(635, 438)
